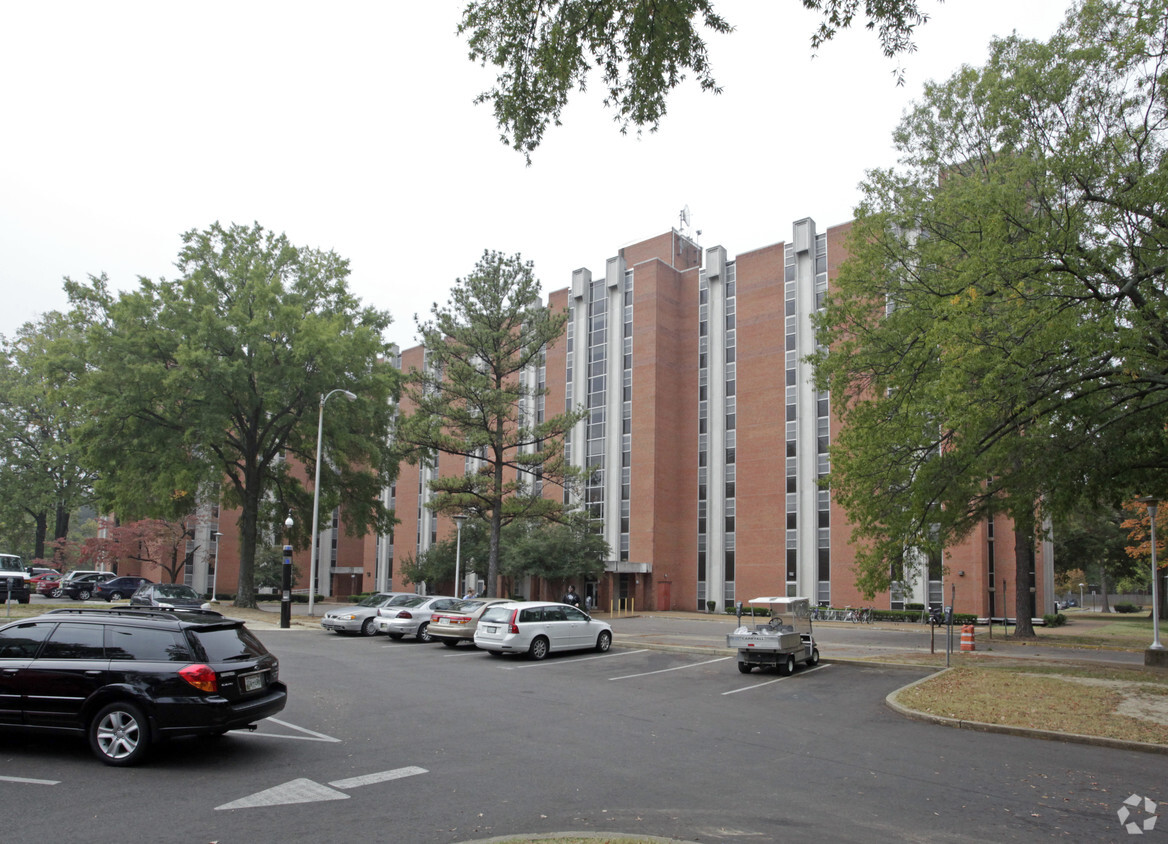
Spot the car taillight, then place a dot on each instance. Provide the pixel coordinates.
(514, 626)
(405, 614)
(202, 677)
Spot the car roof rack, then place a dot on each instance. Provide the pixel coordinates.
(142, 612)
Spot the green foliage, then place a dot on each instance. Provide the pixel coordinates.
(42, 470)
(1002, 323)
(1127, 608)
(527, 548)
(1056, 619)
(269, 568)
(544, 50)
(208, 388)
(475, 398)
(570, 551)
(1093, 540)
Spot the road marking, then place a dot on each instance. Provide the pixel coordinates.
(307, 791)
(30, 781)
(312, 736)
(384, 776)
(768, 682)
(545, 664)
(675, 668)
(296, 791)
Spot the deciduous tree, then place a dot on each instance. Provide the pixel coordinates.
(42, 471)
(545, 49)
(998, 341)
(209, 386)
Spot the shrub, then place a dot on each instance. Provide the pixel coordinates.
(1127, 608)
(1056, 619)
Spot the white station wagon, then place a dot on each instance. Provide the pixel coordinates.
(537, 628)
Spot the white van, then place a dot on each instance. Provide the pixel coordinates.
(13, 579)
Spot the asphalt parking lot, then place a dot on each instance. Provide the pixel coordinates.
(420, 743)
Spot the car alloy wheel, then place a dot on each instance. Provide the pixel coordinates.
(117, 734)
(603, 641)
(539, 648)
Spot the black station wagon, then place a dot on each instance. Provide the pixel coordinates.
(129, 678)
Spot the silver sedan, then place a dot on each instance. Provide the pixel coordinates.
(412, 617)
(359, 618)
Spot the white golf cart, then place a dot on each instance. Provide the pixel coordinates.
(784, 641)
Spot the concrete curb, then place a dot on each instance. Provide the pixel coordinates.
(1048, 735)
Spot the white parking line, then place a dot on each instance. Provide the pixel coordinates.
(311, 736)
(675, 668)
(30, 781)
(768, 682)
(544, 664)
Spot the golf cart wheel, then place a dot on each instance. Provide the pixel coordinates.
(814, 658)
(745, 667)
(788, 666)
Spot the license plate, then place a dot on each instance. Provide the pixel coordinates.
(252, 682)
(491, 629)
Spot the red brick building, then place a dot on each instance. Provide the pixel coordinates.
(707, 439)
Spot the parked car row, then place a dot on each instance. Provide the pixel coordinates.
(496, 625)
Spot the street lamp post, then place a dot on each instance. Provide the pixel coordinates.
(316, 496)
(1152, 506)
(215, 571)
(1081, 585)
(458, 520)
(286, 581)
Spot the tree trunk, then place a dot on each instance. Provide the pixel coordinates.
(245, 594)
(1104, 606)
(1023, 544)
(61, 529)
(41, 522)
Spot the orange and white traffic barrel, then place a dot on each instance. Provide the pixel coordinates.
(967, 638)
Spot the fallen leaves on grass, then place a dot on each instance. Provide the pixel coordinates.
(1131, 706)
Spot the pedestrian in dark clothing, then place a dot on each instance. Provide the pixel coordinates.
(570, 597)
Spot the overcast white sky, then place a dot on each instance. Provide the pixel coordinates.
(349, 126)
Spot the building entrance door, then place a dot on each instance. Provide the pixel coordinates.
(663, 596)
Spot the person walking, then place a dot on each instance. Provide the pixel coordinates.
(570, 597)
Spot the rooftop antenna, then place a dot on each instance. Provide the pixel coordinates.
(685, 218)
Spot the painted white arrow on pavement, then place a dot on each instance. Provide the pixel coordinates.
(308, 791)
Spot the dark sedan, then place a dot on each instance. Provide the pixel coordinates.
(119, 587)
(81, 588)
